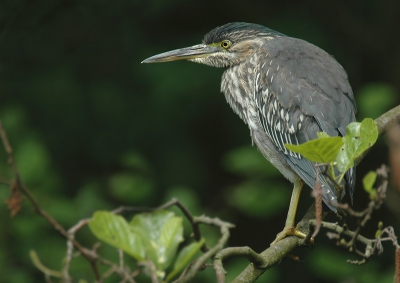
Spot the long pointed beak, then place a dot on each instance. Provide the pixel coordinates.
(196, 51)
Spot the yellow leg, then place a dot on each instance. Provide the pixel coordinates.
(289, 229)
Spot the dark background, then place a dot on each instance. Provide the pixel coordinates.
(94, 129)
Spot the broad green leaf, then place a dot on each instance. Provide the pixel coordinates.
(345, 157)
(161, 232)
(369, 181)
(322, 135)
(360, 137)
(184, 258)
(321, 150)
(114, 230)
(368, 134)
(353, 129)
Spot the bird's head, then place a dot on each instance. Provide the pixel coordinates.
(224, 46)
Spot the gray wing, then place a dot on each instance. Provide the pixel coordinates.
(301, 90)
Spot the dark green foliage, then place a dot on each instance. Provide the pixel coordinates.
(93, 129)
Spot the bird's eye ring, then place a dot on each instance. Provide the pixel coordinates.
(225, 44)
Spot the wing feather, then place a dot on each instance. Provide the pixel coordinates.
(307, 92)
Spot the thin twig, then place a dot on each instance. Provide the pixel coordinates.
(230, 252)
(318, 203)
(121, 271)
(37, 207)
(283, 248)
(343, 231)
(47, 271)
(68, 258)
(267, 259)
(224, 229)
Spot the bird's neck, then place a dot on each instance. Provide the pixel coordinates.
(237, 85)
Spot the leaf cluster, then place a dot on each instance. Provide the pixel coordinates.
(339, 152)
(151, 238)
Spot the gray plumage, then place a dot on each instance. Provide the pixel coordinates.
(285, 89)
(293, 90)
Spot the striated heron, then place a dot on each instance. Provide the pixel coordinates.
(286, 90)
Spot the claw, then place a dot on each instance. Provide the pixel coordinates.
(288, 231)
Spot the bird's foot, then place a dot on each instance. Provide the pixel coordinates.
(289, 231)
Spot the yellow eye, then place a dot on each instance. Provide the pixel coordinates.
(225, 44)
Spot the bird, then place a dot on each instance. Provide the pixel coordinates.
(286, 90)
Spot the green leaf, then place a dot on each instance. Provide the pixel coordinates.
(322, 135)
(360, 137)
(161, 233)
(368, 134)
(114, 230)
(184, 258)
(321, 150)
(369, 181)
(353, 129)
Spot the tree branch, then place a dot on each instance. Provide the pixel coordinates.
(283, 248)
(276, 253)
(259, 263)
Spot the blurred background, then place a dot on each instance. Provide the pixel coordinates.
(94, 129)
